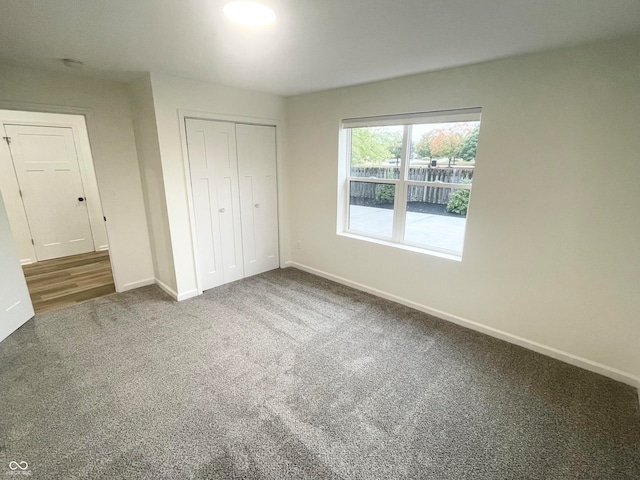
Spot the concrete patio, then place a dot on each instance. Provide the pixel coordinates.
(427, 229)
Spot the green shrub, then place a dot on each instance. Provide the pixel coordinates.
(385, 193)
(459, 200)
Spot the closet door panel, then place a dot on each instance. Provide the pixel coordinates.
(249, 248)
(258, 197)
(209, 254)
(205, 208)
(213, 167)
(230, 228)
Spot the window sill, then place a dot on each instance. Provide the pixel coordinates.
(400, 246)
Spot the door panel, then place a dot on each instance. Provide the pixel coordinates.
(209, 253)
(214, 172)
(46, 164)
(231, 236)
(258, 197)
(15, 304)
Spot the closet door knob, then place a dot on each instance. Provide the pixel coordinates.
(257, 205)
(221, 210)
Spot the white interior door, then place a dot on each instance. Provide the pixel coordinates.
(46, 163)
(214, 182)
(15, 304)
(258, 197)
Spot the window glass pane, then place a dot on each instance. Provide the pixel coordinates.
(371, 208)
(376, 152)
(444, 145)
(436, 217)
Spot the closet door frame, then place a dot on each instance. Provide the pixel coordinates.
(183, 115)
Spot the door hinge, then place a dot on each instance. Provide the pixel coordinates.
(20, 192)
(32, 242)
(8, 140)
(105, 218)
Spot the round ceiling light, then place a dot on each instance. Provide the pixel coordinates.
(249, 13)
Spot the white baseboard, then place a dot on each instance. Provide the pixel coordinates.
(167, 288)
(186, 295)
(566, 357)
(102, 248)
(154, 281)
(27, 261)
(137, 284)
(177, 296)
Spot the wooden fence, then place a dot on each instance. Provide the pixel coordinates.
(416, 193)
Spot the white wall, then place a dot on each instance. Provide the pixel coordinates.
(171, 95)
(144, 121)
(551, 252)
(10, 188)
(106, 107)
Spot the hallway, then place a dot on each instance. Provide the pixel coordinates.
(69, 280)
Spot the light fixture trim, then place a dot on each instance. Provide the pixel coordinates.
(72, 63)
(249, 13)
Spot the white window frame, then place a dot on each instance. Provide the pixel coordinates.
(402, 183)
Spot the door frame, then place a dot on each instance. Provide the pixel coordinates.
(183, 115)
(75, 131)
(90, 130)
(84, 160)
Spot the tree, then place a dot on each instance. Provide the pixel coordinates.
(394, 144)
(366, 147)
(468, 150)
(374, 145)
(447, 143)
(423, 147)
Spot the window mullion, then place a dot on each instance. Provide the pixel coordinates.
(457, 186)
(400, 204)
(389, 181)
(347, 206)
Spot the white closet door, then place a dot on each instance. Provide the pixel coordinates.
(15, 304)
(46, 164)
(214, 181)
(258, 197)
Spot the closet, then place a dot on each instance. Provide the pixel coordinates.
(235, 199)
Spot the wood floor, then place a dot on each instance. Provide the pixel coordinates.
(69, 280)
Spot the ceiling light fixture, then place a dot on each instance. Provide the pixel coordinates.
(249, 13)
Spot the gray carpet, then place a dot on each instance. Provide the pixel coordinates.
(286, 375)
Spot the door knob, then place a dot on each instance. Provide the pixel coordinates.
(81, 199)
(221, 210)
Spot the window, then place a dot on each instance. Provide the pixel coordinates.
(409, 178)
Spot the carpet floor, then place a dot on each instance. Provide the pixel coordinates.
(286, 375)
